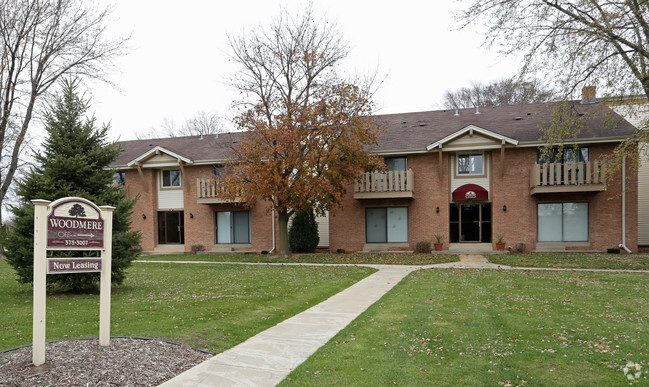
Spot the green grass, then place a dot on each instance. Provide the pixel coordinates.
(488, 327)
(574, 260)
(354, 259)
(211, 307)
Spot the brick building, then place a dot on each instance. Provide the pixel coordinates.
(469, 175)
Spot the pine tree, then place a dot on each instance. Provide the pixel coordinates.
(74, 162)
(303, 235)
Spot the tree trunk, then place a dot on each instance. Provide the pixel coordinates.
(282, 220)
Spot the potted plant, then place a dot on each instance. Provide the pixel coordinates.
(500, 243)
(439, 242)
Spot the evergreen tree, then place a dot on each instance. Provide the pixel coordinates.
(303, 235)
(74, 162)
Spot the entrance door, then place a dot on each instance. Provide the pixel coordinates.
(171, 227)
(470, 222)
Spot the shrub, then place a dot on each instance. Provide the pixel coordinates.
(197, 248)
(303, 235)
(340, 251)
(423, 247)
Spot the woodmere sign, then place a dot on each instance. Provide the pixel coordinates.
(70, 223)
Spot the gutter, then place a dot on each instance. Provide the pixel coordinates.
(273, 220)
(622, 245)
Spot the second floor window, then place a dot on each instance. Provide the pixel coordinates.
(119, 178)
(470, 164)
(396, 163)
(171, 178)
(567, 155)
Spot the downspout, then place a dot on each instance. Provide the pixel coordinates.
(622, 245)
(273, 220)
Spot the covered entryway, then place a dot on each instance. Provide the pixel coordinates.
(470, 222)
(171, 227)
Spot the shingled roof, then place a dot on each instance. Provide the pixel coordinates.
(414, 131)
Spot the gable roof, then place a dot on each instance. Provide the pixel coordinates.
(517, 125)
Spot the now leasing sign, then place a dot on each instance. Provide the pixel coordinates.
(73, 265)
(70, 224)
(75, 224)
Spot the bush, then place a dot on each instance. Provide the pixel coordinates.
(303, 235)
(197, 248)
(340, 251)
(423, 247)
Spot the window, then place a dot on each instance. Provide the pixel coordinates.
(470, 164)
(563, 222)
(171, 178)
(396, 163)
(233, 227)
(119, 178)
(566, 156)
(218, 170)
(386, 224)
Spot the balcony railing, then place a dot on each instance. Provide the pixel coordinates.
(208, 192)
(390, 184)
(567, 177)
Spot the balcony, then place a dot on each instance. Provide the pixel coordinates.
(566, 177)
(385, 185)
(209, 193)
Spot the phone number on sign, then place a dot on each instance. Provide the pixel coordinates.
(74, 242)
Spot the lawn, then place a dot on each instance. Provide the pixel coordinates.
(212, 307)
(574, 260)
(489, 327)
(353, 259)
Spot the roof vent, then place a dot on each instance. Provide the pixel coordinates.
(529, 114)
(477, 110)
(201, 137)
(150, 144)
(216, 135)
(404, 122)
(457, 113)
(518, 118)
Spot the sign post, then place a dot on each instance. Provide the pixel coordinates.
(70, 224)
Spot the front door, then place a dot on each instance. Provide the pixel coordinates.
(171, 227)
(470, 222)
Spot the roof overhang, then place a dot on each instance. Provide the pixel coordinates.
(471, 129)
(157, 151)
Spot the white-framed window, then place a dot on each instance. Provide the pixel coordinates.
(171, 178)
(562, 222)
(233, 227)
(470, 164)
(386, 224)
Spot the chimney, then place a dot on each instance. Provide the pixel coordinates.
(588, 94)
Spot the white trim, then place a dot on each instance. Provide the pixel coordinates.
(155, 151)
(471, 129)
(580, 141)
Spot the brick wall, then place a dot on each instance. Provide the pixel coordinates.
(518, 224)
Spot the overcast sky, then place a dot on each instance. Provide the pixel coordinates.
(178, 59)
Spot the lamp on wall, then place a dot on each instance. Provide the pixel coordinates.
(143, 216)
(504, 208)
(437, 210)
(191, 215)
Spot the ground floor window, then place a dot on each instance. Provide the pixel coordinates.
(386, 224)
(233, 227)
(563, 222)
(470, 222)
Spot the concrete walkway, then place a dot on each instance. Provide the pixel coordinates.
(267, 358)
(472, 261)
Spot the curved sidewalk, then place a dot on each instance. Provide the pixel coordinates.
(267, 358)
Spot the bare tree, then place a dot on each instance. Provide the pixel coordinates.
(41, 41)
(577, 43)
(502, 92)
(202, 123)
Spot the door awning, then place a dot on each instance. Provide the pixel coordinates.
(470, 191)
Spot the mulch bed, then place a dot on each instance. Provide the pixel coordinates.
(126, 362)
